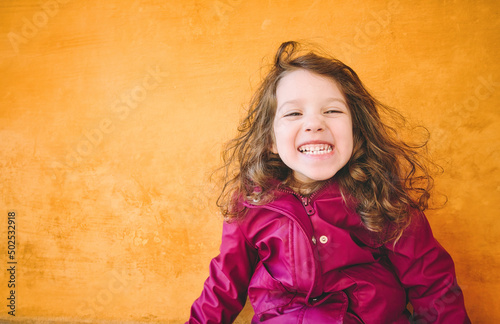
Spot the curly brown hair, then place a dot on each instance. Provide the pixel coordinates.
(384, 179)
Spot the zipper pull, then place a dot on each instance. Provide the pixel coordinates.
(309, 209)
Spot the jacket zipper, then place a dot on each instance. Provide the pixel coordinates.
(305, 200)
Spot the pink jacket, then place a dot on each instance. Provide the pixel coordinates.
(310, 260)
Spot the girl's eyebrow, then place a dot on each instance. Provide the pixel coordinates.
(292, 101)
(342, 101)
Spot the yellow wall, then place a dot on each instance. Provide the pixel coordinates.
(112, 114)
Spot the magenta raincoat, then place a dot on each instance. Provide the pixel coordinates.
(311, 260)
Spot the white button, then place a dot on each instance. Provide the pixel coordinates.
(323, 239)
(314, 240)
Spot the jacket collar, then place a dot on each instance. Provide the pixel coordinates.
(291, 204)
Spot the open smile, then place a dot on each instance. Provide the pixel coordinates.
(315, 149)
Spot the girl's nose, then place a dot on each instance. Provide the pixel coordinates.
(314, 124)
(314, 129)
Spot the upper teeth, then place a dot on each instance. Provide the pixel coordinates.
(315, 148)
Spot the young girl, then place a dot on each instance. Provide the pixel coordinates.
(323, 206)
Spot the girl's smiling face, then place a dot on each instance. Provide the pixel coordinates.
(312, 126)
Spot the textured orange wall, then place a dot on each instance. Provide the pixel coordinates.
(112, 114)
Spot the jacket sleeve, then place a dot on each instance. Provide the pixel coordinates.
(225, 291)
(427, 272)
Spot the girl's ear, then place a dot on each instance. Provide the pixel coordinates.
(274, 149)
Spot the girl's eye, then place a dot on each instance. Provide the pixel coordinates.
(333, 111)
(292, 114)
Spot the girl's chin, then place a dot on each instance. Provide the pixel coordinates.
(310, 179)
